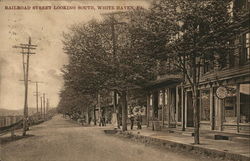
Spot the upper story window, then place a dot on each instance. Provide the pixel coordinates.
(208, 66)
(247, 45)
(241, 5)
(245, 51)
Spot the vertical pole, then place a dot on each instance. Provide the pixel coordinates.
(37, 97)
(99, 107)
(177, 105)
(148, 108)
(47, 106)
(169, 107)
(115, 101)
(25, 120)
(153, 107)
(24, 75)
(182, 108)
(186, 107)
(163, 106)
(238, 106)
(41, 99)
(211, 103)
(44, 112)
(124, 110)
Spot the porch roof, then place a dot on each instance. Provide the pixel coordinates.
(165, 82)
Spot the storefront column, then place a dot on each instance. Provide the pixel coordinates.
(182, 110)
(148, 108)
(211, 103)
(177, 105)
(163, 106)
(238, 106)
(185, 109)
(153, 107)
(169, 104)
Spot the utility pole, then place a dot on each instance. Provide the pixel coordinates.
(47, 106)
(113, 23)
(41, 99)
(37, 97)
(44, 112)
(37, 94)
(26, 51)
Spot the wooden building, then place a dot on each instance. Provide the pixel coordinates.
(169, 100)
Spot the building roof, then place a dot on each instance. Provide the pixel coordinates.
(169, 80)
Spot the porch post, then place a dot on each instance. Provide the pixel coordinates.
(182, 109)
(153, 106)
(163, 106)
(185, 109)
(148, 108)
(238, 106)
(177, 104)
(169, 106)
(211, 103)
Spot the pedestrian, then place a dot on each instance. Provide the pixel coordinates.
(132, 119)
(100, 120)
(139, 121)
(90, 119)
(103, 121)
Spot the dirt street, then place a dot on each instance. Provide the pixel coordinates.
(64, 140)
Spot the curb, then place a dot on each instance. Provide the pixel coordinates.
(166, 144)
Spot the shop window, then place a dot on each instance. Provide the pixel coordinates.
(244, 103)
(230, 105)
(205, 105)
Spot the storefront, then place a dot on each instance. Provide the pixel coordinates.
(231, 113)
(164, 102)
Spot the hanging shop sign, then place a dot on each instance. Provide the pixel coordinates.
(221, 92)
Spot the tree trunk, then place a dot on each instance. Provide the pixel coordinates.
(87, 115)
(196, 116)
(94, 117)
(195, 103)
(124, 110)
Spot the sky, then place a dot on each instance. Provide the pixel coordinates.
(45, 27)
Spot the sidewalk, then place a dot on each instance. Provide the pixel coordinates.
(225, 149)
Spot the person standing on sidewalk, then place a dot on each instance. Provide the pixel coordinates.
(139, 121)
(132, 119)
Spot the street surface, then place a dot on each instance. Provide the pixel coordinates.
(64, 140)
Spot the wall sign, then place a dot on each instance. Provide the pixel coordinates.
(221, 92)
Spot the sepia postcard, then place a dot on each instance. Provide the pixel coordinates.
(124, 80)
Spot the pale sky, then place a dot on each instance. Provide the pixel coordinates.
(45, 28)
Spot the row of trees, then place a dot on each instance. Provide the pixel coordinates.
(125, 51)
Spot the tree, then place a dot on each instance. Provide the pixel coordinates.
(194, 32)
(93, 67)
